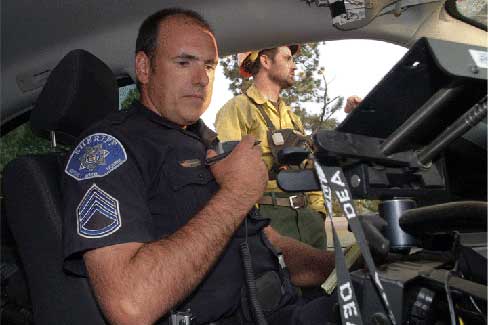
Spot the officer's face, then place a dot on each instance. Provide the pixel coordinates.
(178, 82)
(282, 68)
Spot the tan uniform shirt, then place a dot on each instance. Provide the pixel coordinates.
(240, 116)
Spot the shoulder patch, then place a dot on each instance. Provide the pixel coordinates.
(95, 156)
(97, 214)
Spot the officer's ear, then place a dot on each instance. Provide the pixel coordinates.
(143, 67)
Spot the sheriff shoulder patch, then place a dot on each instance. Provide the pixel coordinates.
(98, 214)
(95, 156)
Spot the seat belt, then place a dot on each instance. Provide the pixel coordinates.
(332, 180)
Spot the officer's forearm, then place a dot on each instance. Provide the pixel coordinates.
(308, 266)
(138, 283)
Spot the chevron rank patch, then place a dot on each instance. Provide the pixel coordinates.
(95, 156)
(98, 214)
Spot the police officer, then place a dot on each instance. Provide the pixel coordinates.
(262, 113)
(157, 231)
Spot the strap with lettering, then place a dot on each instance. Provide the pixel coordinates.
(347, 298)
(339, 187)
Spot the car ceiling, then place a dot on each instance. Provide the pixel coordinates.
(35, 35)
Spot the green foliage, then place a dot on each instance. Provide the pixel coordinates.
(231, 71)
(367, 206)
(21, 141)
(312, 121)
(132, 96)
(311, 87)
(362, 206)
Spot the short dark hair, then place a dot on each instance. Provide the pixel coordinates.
(255, 66)
(149, 30)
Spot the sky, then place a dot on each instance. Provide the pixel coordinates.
(352, 67)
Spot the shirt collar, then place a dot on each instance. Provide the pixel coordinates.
(208, 137)
(153, 116)
(259, 99)
(255, 95)
(198, 129)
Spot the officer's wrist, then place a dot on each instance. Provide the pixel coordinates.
(234, 199)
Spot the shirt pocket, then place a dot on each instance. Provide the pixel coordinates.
(190, 188)
(181, 177)
(188, 171)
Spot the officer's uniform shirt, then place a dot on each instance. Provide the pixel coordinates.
(240, 116)
(136, 177)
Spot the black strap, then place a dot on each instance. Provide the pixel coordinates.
(265, 116)
(345, 292)
(268, 121)
(332, 180)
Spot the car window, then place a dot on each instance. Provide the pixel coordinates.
(471, 11)
(127, 94)
(22, 141)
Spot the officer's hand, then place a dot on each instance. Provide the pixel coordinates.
(351, 103)
(243, 172)
(372, 225)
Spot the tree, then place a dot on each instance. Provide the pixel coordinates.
(311, 87)
(132, 96)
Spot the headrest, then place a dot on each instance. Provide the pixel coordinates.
(79, 91)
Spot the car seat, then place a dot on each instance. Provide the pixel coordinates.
(80, 90)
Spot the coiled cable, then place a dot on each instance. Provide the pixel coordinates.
(251, 285)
